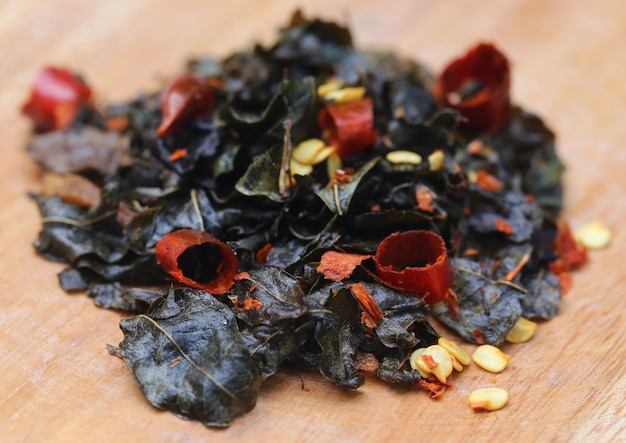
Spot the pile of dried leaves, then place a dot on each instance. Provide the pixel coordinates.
(240, 248)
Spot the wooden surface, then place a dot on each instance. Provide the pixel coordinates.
(57, 381)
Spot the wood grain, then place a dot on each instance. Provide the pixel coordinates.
(58, 382)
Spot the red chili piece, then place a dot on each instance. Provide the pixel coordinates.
(415, 261)
(572, 255)
(477, 85)
(337, 266)
(198, 259)
(349, 125)
(183, 99)
(56, 98)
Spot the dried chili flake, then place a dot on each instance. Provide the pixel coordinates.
(487, 181)
(261, 255)
(477, 335)
(56, 98)
(178, 154)
(429, 360)
(337, 266)
(119, 123)
(434, 387)
(197, 259)
(566, 280)
(349, 125)
(503, 226)
(251, 303)
(415, 261)
(516, 270)
(572, 255)
(371, 311)
(183, 99)
(475, 147)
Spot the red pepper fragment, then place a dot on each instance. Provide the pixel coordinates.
(261, 255)
(572, 255)
(178, 154)
(56, 99)
(477, 335)
(477, 85)
(251, 303)
(503, 226)
(372, 315)
(487, 181)
(183, 99)
(198, 259)
(337, 266)
(434, 387)
(429, 360)
(415, 261)
(349, 125)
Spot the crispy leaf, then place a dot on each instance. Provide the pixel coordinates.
(280, 296)
(339, 335)
(188, 357)
(337, 198)
(485, 305)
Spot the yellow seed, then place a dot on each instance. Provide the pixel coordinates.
(297, 168)
(435, 160)
(406, 157)
(522, 331)
(440, 357)
(455, 363)
(488, 399)
(334, 163)
(331, 85)
(454, 350)
(345, 95)
(491, 358)
(472, 177)
(594, 235)
(413, 362)
(306, 151)
(323, 154)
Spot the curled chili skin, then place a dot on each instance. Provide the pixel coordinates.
(415, 261)
(349, 125)
(56, 98)
(183, 99)
(489, 108)
(198, 259)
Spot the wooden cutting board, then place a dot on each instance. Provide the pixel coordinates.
(58, 382)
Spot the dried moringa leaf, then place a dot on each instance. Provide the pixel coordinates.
(188, 356)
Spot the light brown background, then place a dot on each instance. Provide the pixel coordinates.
(57, 381)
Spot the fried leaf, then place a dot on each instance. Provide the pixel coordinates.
(270, 345)
(339, 335)
(280, 295)
(403, 312)
(543, 299)
(188, 357)
(261, 178)
(485, 305)
(78, 149)
(337, 198)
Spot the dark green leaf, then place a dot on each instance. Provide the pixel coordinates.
(337, 197)
(339, 335)
(188, 357)
(484, 305)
